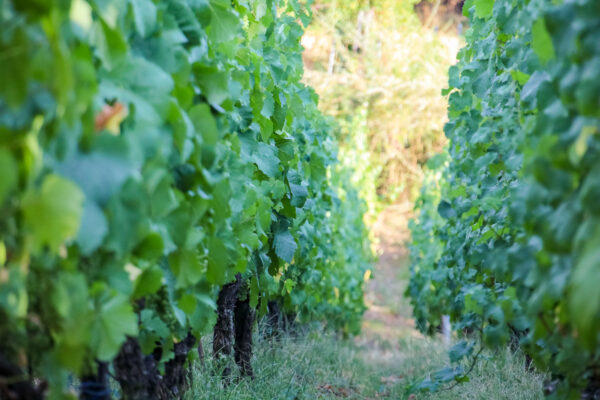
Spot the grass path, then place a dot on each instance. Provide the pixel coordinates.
(380, 363)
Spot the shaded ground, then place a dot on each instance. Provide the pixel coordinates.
(389, 340)
(389, 316)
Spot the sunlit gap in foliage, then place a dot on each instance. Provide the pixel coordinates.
(379, 71)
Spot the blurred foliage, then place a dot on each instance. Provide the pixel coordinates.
(379, 71)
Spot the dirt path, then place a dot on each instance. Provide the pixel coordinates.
(389, 341)
(396, 356)
(388, 317)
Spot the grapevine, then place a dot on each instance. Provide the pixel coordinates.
(508, 238)
(153, 150)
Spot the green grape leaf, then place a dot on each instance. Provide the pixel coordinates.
(541, 43)
(93, 228)
(266, 159)
(53, 212)
(288, 285)
(445, 210)
(246, 234)
(519, 76)
(213, 82)
(2, 254)
(268, 105)
(448, 374)
(584, 296)
(186, 266)
(144, 16)
(151, 321)
(263, 218)
(114, 321)
(100, 174)
(187, 303)
(224, 24)
(484, 8)
(460, 350)
(205, 123)
(218, 261)
(9, 169)
(186, 19)
(151, 248)
(298, 189)
(254, 292)
(285, 245)
(109, 43)
(148, 282)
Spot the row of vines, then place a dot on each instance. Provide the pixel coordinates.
(164, 173)
(507, 241)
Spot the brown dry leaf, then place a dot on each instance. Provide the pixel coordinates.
(337, 391)
(110, 117)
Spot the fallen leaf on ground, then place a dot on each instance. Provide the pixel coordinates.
(337, 391)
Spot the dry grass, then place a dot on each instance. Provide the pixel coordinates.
(383, 66)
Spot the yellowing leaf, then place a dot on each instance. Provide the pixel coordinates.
(110, 118)
(289, 285)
